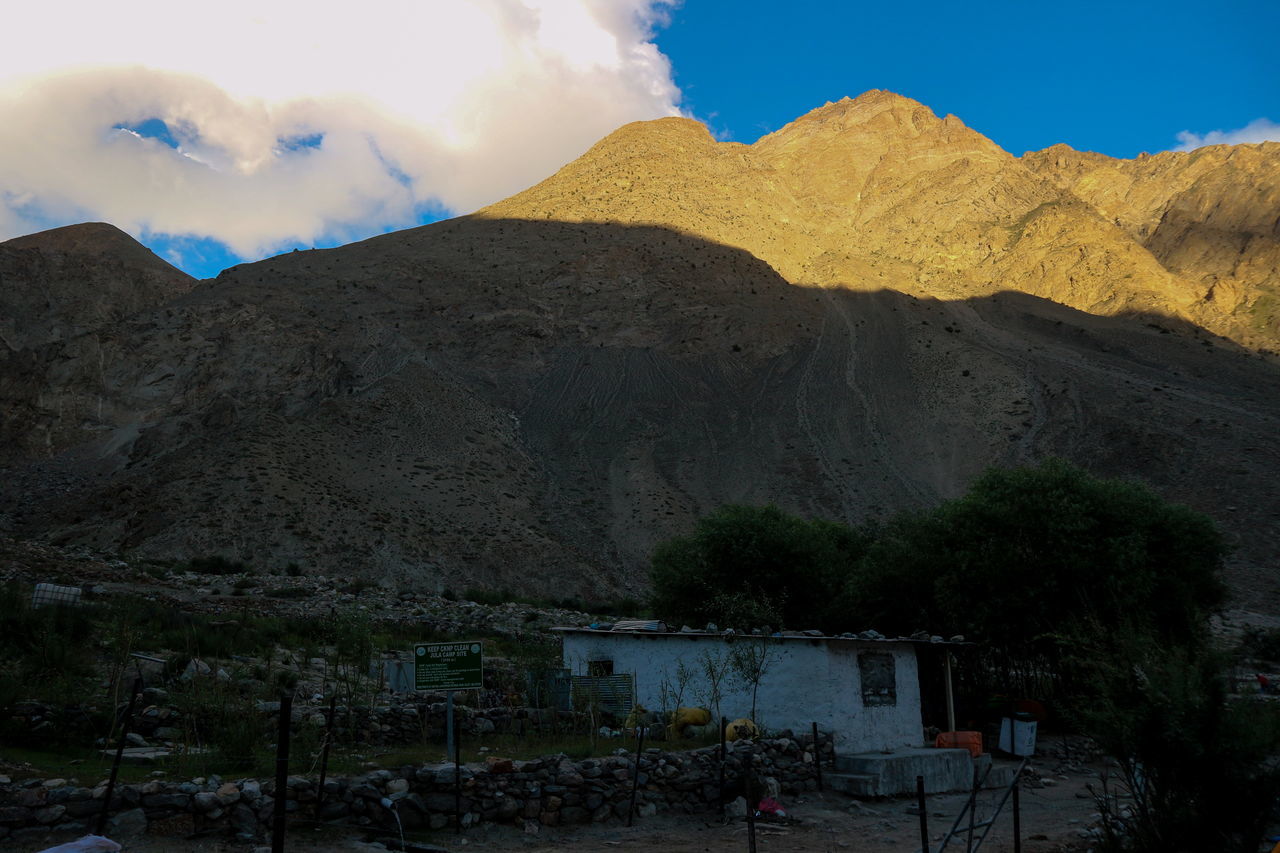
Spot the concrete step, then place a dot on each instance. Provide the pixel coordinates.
(853, 784)
(1000, 774)
(896, 772)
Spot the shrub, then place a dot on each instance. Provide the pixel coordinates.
(746, 566)
(215, 564)
(1196, 771)
(1032, 556)
(1261, 643)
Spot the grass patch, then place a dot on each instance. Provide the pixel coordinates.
(1016, 229)
(496, 597)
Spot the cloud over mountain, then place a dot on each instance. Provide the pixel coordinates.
(1258, 130)
(260, 125)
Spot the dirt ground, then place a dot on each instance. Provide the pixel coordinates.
(1054, 819)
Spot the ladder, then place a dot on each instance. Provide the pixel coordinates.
(977, 831)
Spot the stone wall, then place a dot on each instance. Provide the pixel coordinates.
(405, 721)
(551, 790)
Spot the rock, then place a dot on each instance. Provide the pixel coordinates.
(243, 820)
(128, 824)
(206, 801)
(54, 783)
(166, 801)
(14, 815)
(195, 668)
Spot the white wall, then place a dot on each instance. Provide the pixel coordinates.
(807, 680)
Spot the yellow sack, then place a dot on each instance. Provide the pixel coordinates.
(636, 718)
(691, 717)
(742, 729)
(682, 718)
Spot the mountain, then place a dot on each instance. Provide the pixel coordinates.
(62, 283)
(856, 314)
(1211, 216)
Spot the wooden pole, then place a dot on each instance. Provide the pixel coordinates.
(457, 772)
(951, 700)
(817, 756)
(324, 753)
(448, 724)
(1017, 817)
(635, 781)
(924, 815)
(973, 806)
(753, 800)
(724, 725)
(282, 773)
(115, 764)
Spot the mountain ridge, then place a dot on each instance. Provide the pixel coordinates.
(63, 282)
(854, 315)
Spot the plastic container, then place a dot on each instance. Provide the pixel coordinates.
(1018, 734)
(971, 741)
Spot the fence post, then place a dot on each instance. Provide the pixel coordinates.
(635, 782)
(817, 756)
(1017, 816)
(115, 765)
(724, 724)
(924, 815)
(324, 753)
(457, 772)
(752, 797)
(973, 806)
(282, 773)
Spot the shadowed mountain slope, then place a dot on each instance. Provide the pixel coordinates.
(855, 315)
(61, 283)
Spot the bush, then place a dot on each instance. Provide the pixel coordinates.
(215, 565)
(1196, 771)
(1260, 643)
(1030, 557)
(747, 566)
(489, 597)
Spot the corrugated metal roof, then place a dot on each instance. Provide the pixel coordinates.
(932, 640)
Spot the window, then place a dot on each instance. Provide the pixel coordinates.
(599, 668)
(879, 679)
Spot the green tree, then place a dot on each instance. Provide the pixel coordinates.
(746, 566)
(1034, 556)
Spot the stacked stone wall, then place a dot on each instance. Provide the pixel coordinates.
(552, 790)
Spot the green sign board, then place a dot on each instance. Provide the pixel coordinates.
(448, 666)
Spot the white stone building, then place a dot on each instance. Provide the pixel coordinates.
(866, 692)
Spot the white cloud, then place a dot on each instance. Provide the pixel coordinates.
(455, 103)
(1258, 130)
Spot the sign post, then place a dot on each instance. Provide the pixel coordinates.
(448, 667)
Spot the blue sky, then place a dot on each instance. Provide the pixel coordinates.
(257, 137)
(1115, 77)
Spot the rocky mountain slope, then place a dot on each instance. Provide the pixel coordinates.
(856, 314)
(58, 284)
(1211, 215)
